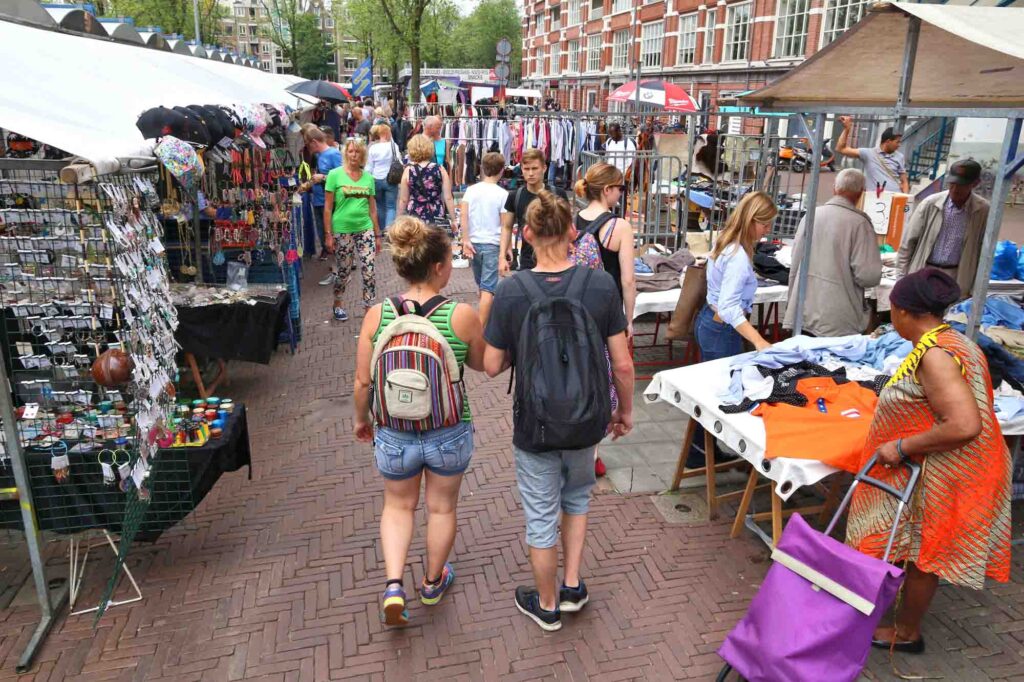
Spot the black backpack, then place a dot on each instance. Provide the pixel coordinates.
(562, 399)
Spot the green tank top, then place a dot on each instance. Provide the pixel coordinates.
(441, 318)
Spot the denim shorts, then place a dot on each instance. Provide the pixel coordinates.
(402, 454)
(485, 267)
(549, 483)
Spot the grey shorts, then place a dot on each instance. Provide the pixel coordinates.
(549, 483)
(402, 454)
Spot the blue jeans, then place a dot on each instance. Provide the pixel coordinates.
(551, 483)
(485, 267)
(717, 340)
(403, 454)
(387, 199)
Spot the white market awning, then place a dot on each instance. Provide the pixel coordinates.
(967, 58)
(91, 112)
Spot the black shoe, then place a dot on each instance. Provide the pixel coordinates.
(573, 599)
(904, 647)
(528, 602)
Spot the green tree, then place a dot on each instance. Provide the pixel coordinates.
(362, 22)
(172, 16)
(474, 41)
(293, 27)
(406, 18)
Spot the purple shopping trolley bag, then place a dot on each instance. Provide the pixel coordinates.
(813, 616)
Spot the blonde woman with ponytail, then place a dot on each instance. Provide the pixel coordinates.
(423, 258)
(602, 187)
(722, 325)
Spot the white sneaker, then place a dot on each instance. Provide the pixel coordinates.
(328, 280)
(460, 263)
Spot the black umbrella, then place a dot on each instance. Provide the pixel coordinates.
(324, 90)
(160, 121)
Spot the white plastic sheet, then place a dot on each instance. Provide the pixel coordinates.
(83, 95)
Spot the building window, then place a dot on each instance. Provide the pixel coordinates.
(265, 66)
(791, 28)
(538, 67)
(709, 36)
(350, 64)
(594, 52)
(239, 11)
(620, 47)
(737, 32)
(687, 39)
(241, 29)
(264, 48)
(621, 6)
(573, 65)
(556, 59)
(651, 40)
(596, 9)
(556, 18)
(839, 16)
(574, 12)
(330, 22)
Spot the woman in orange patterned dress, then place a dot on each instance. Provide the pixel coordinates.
(936, 410)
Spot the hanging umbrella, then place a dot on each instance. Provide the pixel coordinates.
(325, 90)
(662, 94)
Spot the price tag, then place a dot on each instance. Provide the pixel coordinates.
(125, 470)
(58, 462)
(31, 410)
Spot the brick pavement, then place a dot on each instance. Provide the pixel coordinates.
(278, 578)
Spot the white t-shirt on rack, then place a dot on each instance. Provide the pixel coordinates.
(486, 204)
(378, 159)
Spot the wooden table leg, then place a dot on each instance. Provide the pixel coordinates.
(709, 464)
(684, 452)
(206, 390)
(831, 501)
(741, 513)
(776, 516)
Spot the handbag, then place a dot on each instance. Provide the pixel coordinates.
(396, 170)
(691, 300)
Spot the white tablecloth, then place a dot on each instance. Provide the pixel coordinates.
(665, 301)
(695, 390)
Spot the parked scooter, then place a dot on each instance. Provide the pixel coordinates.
(798, 158)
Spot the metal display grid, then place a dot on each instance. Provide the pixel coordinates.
(82, 271)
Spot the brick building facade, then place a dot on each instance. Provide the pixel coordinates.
(581, 50)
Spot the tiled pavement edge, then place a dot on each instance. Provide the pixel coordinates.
(278, 578)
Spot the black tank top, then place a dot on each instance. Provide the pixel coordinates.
(609, 258)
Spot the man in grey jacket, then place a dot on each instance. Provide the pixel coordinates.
(844, 261)
(946, 229)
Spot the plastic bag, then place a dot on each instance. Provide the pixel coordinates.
(1020, 265)
(238, 276)
(1004, 263)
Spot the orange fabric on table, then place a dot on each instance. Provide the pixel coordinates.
(831, 428)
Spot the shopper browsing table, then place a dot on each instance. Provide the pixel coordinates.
(947, 228)
(844, 261)
(423, 258)
(936, 410)
(722, 325)
(354, 232)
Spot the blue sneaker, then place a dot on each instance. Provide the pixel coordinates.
(573, 599)
(431, 594)
(340, 315)
(394, 611)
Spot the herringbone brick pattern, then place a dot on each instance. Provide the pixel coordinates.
(278, 578)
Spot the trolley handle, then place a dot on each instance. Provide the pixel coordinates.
(903, 496)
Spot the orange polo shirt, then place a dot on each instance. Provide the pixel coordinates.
(831, 428)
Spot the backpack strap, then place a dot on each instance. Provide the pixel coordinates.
(578, 285)
(595, 225)
(404, 306)
(530, 287)
(515, 203)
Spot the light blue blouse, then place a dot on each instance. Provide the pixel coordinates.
(732, 285)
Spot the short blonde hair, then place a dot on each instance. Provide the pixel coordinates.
(358, 144)
(378, 131)
(420, 148)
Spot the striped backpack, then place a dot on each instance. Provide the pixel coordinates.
(416, 381)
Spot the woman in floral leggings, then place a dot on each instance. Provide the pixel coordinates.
(350, 220)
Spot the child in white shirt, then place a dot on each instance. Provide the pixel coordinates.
(481, 208)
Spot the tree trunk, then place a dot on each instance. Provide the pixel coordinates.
(414, 83)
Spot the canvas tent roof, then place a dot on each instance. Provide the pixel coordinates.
(967, 58)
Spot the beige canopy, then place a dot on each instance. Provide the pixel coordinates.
(967, 58)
